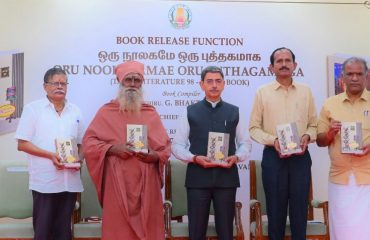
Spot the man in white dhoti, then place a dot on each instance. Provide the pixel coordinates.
(349, 181)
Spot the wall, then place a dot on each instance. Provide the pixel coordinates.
(74, 32)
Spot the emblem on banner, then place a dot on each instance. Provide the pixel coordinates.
(180, 16)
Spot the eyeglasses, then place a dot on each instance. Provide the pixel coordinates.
(57, 84)
(132, 80)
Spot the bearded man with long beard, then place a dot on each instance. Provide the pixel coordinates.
(128, 182)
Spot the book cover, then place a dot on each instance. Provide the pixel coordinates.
(137, 135)
(218, 147)
(68, 152)
(351, 137)
(288, 138)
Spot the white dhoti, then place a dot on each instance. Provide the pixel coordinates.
(349, 211)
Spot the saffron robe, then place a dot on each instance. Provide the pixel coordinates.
(129, 190)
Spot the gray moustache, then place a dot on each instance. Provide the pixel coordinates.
(131, 90)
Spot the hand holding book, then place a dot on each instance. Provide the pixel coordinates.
(149, 157)
(231, 160)
(137, 137)
(305, 140)
(365, 151)
(218, 147)
(334, 128)
(277, 148)
(288, 141)
(56, 161)
(121, 150)
(66, 154)
(205, 162)
(351, 138)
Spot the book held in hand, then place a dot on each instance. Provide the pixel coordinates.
(288, 138)
(137, 136)
(218, 147)
(68, 152)
(351, 137)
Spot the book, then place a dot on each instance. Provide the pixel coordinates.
(288, 138)
(137, 136)
(351, 137)
(218, 147)
(68, 152)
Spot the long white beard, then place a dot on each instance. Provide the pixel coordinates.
(130, 99)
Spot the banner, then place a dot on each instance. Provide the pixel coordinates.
(175, 40)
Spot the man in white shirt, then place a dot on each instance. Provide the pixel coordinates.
(54, 187)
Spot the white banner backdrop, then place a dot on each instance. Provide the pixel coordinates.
(176, 40)
(175, 47)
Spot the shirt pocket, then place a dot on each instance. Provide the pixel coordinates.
(366, 123)
(72, 126)
(301, 109)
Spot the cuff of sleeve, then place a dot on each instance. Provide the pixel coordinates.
(194, 159)
(271, 140)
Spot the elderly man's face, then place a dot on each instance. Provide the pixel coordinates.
(368, 80)
(132, 80)
(130, 94)
(56, 87)
(354, 77)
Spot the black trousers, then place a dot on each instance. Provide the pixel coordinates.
(199, 201)
(286, 182)
(52, 214)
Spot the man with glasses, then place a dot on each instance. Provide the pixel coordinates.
(285, 178)
(349, 177)
(207, 181)
(54, 187)
(128, 182)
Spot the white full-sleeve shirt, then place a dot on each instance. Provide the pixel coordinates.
(181, 144)
(40, 124)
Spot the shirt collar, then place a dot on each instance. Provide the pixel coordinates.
(47, 102)
(213, 104)
(277, 85)
(365, 96)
